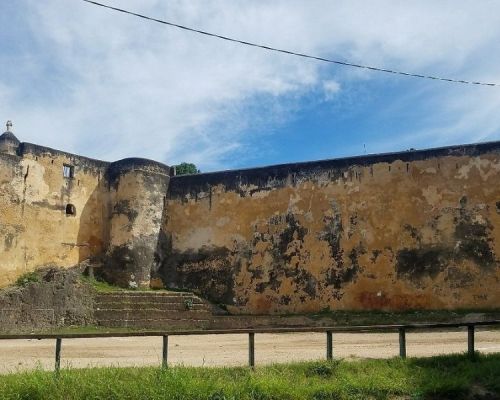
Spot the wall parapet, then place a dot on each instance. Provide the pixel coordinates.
(279, 175)
(37, 150)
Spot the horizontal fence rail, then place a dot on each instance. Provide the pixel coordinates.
(401, 329)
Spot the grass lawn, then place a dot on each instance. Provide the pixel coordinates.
(443, 377)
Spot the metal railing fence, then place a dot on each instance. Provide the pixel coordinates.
(401, 329)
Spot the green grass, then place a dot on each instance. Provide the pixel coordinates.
(443, 377)
(104, 287)
(100, 285)
(27, 278)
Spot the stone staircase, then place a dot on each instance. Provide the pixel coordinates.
(154, 310)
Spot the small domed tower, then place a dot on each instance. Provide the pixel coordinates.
(8, 142)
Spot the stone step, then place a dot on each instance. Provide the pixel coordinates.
(145, 314)
(174, 306)
(133, 293)
(154, 310)
(148, 299)
(163, 323)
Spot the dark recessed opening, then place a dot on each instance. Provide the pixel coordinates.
(498, 206)
(70, 209)
(68, 171)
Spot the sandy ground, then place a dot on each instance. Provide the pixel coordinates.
(230, 350)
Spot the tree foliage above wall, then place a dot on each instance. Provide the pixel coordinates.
(186, 168)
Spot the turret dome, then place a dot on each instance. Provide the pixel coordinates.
(8, 141)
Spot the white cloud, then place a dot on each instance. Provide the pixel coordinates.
(110, 86)
(330, 89)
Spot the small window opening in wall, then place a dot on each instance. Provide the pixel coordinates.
(68, 171)
(70, 209)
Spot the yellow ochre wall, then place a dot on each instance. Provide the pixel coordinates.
(411, 230)
(34, 228)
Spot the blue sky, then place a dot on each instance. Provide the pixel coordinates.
(90, 81)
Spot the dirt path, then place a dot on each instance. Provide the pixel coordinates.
(229, 350)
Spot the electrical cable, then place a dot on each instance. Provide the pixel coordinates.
(269, 48)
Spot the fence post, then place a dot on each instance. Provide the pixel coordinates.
(164, 362)
(402, 342)
(58, 355)
(329, 345)
(470, 341)
(251, 350)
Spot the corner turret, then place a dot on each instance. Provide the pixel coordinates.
(137, 192)
(8, 142)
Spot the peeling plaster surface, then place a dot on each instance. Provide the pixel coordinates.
(137, 213)
(398, 234)
(116, 224)
(411, 230)
(34, 227)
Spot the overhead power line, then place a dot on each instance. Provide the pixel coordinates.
(293, 53)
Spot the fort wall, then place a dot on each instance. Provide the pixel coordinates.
(60, 209)
(35, 229)
(411, 230)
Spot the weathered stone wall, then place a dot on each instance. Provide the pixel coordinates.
(412, 230)
(58, 298)
(137, 192)
(35, 229)
(116, 213)
(419, 229)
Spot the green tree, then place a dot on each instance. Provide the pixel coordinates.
(186, 168)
